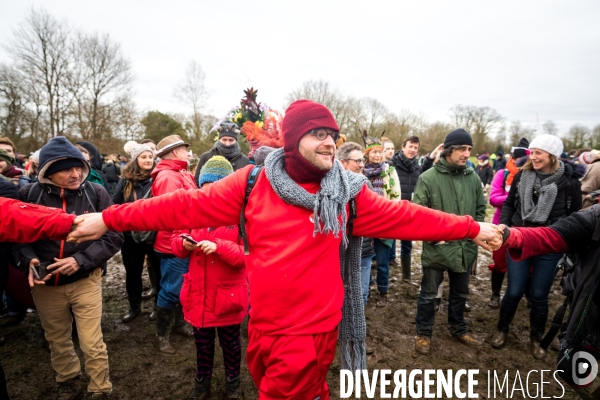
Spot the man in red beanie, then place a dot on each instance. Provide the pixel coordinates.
(296, 218)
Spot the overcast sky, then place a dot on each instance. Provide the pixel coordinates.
(526, 59)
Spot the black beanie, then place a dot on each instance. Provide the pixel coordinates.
(458, 137)
(62, 165)
(228, 129)
(520, 150)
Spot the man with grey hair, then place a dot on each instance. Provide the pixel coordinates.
(351, 156)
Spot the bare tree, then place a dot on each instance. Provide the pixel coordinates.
(191, 91)
(550, 128)
(577, 137)
(13, 102)
(40, 51)
(480, 122)
(595, 138)
(101, 77)
(518, 131)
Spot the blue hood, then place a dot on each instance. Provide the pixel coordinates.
(56, 149)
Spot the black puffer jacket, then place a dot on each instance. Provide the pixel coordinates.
(485, 173)
(112, 172)
(568, 186)
(89, 255)
(408, 173)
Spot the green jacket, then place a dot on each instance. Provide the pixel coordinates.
(455, 190)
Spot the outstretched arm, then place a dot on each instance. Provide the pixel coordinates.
(219, 204)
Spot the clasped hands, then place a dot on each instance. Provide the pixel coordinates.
(490, 236)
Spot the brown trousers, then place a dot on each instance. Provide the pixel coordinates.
(54, 305)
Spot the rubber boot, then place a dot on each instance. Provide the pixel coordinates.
(504, 320)
(538, 326)
(134, 310)
(163, 323)
(154, 287)
(406, 263)
(201, 389)
(497, 280)
(179, 325)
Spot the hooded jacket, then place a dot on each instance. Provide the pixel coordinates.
(215, 289)
(455, 190)
(89, 255)
(408, 173)
(95, 163)
(568, 186)
(169, 176)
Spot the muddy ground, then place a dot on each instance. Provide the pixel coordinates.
(137, 372)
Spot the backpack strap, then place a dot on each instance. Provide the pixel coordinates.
(35, 192)
(91, 195)
(252, 178)
(569, 193)
(556, 324)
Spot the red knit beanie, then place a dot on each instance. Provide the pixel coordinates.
(301, 117)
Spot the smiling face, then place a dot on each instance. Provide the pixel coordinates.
(145, 161)
(410, 150)
(319, 153)
(540, 160)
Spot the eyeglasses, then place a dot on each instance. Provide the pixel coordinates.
(357, 160)
(322, 134)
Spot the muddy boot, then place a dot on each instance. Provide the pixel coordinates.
(154, 289)
(179, 325)
(134, 310)
(73, 389)
(382, 301)
(234, 388)
(538, 326)
(423, 345)
(497, 280)
(499, 338)
(163, 323)
(406, 262)
(201, 389)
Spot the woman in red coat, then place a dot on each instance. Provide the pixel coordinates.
(214, 292)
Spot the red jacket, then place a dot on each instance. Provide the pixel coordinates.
(169, 176)
(215, 290)
(25, 223)
(294, 276)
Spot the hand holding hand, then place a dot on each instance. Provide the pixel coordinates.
(207, 246)
(87, 227)
(490, 236)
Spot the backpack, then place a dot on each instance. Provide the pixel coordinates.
(252, 177)
(37, 189)
(144, 236)
(579, 283)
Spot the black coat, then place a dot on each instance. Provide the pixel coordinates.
(237, 162)
(567, 185)
(140, 188)
(408, 173)
(485, 173)
(89, 255)
(112, 172)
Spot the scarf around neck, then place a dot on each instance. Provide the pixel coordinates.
(338, 187)
(547, 189)
(229, 152)
(374, 173)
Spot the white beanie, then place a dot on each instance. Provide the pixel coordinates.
(549, 143)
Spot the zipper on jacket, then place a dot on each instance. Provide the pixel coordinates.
(62, 242)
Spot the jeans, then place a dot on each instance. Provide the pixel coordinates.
(172, 270)
(405, 248)
(382, 253)
(459, 292)
(365, 277)
(542, 276)
(393, 252)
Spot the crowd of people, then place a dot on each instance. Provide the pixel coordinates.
(263, 235)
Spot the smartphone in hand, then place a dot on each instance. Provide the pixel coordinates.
(188, 238)
(40, 271)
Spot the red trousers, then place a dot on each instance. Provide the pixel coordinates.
(291, 367)
(499, 257)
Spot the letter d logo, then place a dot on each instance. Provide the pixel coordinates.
(589, 366)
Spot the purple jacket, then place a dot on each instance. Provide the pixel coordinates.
(498, 194)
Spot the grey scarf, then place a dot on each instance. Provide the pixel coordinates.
(338, 187)
(547, 189)
(229, 152)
